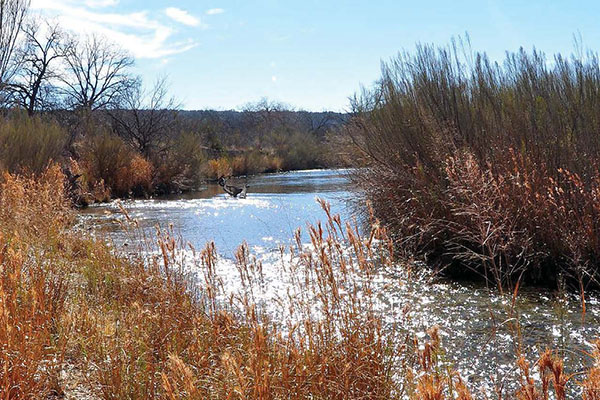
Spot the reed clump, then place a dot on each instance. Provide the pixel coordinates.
(487, 169)
(33, 283)
(428, 376)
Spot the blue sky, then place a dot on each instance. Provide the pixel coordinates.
(310, 54)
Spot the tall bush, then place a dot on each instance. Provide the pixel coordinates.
(107, 159)
(485, 167)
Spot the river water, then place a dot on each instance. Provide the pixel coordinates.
(476, 329)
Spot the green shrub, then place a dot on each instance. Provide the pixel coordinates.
(28, 144)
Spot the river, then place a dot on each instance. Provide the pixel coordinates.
(473, 321)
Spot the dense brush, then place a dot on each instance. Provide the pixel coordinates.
(487, 169)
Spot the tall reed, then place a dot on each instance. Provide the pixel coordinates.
(487, 169)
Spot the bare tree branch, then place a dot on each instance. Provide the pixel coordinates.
(12, 15)
(43, 47)
(97, 73)
(144, 117)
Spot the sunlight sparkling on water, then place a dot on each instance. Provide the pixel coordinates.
(473, 322)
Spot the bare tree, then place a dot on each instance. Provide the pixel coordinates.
(266, 112)
(43, 47)
(97, 73)
(262, 118)
(12, 15)
(319, 123)
(146, 117)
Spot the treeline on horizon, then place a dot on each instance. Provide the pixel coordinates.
(75, 100)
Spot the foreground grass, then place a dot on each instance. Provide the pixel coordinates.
(143, 328)
(139, 328)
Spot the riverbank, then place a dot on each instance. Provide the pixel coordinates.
(104, 162)
(470, 316)
(139, 328)
(134, 328)
(216, 168)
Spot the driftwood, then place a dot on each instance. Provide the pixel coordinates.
(233, 191)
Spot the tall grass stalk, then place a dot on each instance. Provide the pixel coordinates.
(146, 328)
(162, 325)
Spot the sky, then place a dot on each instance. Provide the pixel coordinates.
(309, 54)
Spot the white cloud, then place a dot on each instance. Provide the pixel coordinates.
(182, 16)
(274, 78)
(215, 11)
(101, 3)
(137, 32)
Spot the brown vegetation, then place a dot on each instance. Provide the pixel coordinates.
(487, 169)
(143, 327)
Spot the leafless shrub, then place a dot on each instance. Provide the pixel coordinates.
(483, 167)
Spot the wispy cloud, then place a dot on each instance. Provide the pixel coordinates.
(101, 3)
(182, 16)
(215, 11)
(137, 32)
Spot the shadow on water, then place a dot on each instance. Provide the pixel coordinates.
(473, 320)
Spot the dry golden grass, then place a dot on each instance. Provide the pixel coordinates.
(141, 328)
(33, 286)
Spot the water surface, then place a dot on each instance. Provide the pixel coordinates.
(276, 205)
(473, 320)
